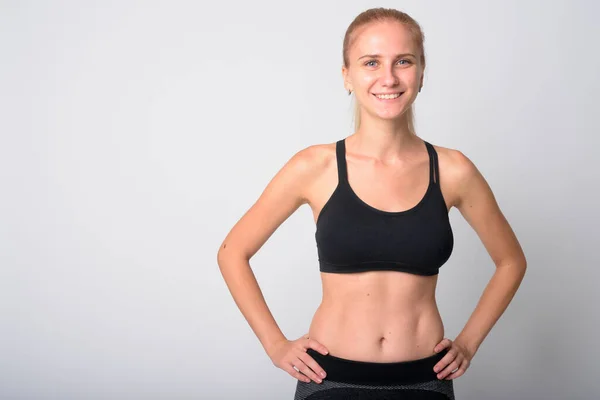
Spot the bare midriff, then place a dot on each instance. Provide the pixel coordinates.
(378, 316)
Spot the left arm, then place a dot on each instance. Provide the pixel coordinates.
(477, 204)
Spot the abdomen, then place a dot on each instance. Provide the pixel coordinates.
(378, 316)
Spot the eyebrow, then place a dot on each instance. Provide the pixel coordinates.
(379, 56)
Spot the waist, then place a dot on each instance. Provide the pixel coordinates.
(375, 331)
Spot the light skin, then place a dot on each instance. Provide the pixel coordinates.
(383, 134)
(384, 59)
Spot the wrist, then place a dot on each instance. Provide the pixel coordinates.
(470, 346)
(272, 345)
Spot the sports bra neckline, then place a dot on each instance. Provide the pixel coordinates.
(377, 210)
(344, 183)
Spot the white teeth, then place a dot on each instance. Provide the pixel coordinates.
(388, 96)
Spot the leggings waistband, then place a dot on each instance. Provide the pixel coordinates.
(364, 372)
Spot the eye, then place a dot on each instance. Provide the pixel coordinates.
(368, 63)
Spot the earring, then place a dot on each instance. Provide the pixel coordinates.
(349, 92)
(420, 89)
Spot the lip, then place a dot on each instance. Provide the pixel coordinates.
(388, 100)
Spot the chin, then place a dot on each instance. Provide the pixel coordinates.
(390, 116)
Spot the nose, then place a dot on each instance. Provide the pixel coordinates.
(389, 78)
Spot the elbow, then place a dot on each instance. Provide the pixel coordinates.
(227, 253)
(523, 263)
(521, 267)
(524, 267)
(222, 255)
(518, 265)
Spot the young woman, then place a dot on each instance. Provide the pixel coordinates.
(380, 199)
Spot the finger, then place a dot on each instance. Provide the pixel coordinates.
(290, 369)
(447, 359)
(313, 365)
(448, 370)
(313, 344)
(445, 342)
(301, 365)
(461, 370)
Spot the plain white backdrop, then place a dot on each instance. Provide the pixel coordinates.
(133, 135)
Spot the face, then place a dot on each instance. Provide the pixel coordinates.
(383, 60)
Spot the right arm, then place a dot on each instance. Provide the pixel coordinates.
(284, 194)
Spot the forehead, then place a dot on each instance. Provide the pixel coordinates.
(387, 38)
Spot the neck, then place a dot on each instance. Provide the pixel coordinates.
(383, 140)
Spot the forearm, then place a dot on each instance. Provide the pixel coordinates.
(495, 299)
(247, 295)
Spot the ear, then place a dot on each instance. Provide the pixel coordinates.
(346, 78)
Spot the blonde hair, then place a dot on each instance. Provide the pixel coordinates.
(380, 15)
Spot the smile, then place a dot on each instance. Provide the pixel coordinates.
(391, 96)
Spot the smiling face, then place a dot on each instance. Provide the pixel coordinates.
(383, 59)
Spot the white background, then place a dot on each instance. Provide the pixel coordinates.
(133, 135)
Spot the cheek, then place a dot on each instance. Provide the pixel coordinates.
(367, 80)
(413, 78)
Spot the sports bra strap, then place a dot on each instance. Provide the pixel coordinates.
(433, 163)
(340, 152)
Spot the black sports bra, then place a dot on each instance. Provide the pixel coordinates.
(353, 236)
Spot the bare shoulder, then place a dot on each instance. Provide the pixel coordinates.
(456, 170)
(309, 164)
(284, 194)
(313, 157)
